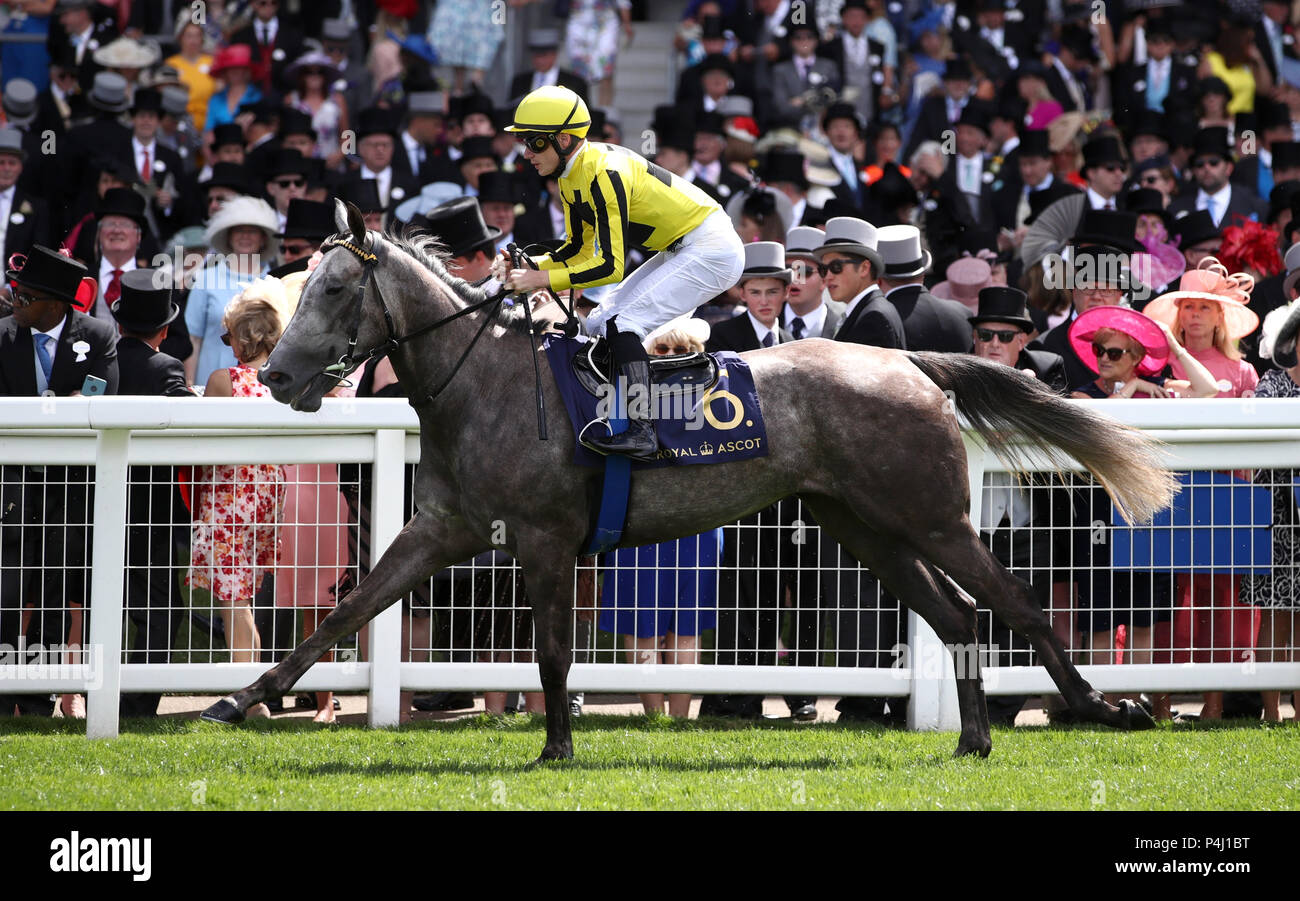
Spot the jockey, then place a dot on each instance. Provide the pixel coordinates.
(615, 200)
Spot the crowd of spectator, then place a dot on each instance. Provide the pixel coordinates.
(1104, 195)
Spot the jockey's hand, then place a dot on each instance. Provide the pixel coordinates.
(526, 281)
(501, 267)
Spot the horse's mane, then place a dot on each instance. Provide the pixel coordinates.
(427, 250)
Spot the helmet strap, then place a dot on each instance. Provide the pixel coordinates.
(563, 154)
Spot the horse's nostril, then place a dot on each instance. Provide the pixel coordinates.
(272, 377)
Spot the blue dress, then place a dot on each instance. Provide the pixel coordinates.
(660, 588)
(214, 288)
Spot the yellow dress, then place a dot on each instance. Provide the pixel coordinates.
(202, 85)
(1240, 82)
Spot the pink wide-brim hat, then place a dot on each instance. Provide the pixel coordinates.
(1211, 281)
(966, 277)
(1138, 326)
(1159, 265)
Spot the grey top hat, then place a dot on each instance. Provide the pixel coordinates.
(734, 105)
(801, 241)
(425, 103)
(11, 141)
(765, 259)
(900, 249)
(1292, 263)
(108, 92)
(849, 235)
(544, 39)
(335, 30)
(175, 100)
(20, 99)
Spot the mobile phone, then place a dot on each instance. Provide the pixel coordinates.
(93, 386)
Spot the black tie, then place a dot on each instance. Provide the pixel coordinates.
(769, 339)
(796, 328)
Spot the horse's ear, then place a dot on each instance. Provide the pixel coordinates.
(356, 224)
(340, 216)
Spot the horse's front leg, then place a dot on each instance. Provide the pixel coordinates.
(550, 588)
(426, 544)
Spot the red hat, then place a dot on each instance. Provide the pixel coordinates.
(1138, 326)
(234, 56)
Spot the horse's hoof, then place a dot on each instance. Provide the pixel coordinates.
(968, 748)
(549, 754)
(1135, 716)
(225, 711)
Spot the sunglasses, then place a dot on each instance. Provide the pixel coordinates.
(1151, 180)
(662, 350)
(1111, 353)
(22, 299)
(1207, 161)
(1115, 167)
(987, 334)
(835, 266)
(291, 182)
(225, 339)
(296, 249)
(536, 142)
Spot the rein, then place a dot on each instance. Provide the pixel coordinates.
(350, 361)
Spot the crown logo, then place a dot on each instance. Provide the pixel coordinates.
(706, 449)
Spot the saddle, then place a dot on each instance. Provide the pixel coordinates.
(697, 371)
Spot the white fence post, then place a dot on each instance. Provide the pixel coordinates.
(108, 572)
(386, 520)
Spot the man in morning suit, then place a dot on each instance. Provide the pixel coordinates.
(929, 323)
(143, 313)
(47, 347)
(24, 217)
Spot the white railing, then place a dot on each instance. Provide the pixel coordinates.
(114, 432)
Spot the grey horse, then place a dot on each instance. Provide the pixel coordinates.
(878, 458)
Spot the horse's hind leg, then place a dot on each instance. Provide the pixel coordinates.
(550, 590)
(423, 546)
(927, 592)
(959, 553)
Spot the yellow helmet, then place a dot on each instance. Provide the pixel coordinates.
(552, 110)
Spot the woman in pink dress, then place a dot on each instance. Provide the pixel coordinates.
(1208, 312)
(236, 506)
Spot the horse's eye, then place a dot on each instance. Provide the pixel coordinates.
(333, 289)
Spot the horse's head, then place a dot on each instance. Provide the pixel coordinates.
(317, 335)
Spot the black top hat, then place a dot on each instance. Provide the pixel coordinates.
(892, 188)
(956, 69)
(496, 187)
(1100, 152)
(1194, 228)
(596, 115)
(476, 147)
(710, 124)
(143, 307)
(309, 219)
(711, 28)
(1035, 143)
(122, 202)
(1002, 304)
(666, 116)
(793, 27)
(1150, 123)
(1212, 141)
(1281, 197)
(1108, 228)
(841, 110)
(1213, 84)
(49, 272)
(459, 225)
(785, 165)
(1286, 155)
(146, 100)
(364, 194)
(297, 265)
(375, 120)
(285, 161)
(1147, 200)
(678, 136)
(228, 133)
(1030, 68)
(1078, 40)
(716, 61)
(978, 114)
(1158, 28)
(295, 122)
(226, 175)
(468, 104)
(1272, 113)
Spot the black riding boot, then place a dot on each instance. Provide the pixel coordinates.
(639, 440)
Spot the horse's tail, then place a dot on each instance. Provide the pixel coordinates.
(1002, 403)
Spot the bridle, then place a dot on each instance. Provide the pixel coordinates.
(350, 360)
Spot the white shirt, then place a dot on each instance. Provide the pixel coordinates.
(139, 150)
(503, 242)
(813, 322)
(384, 178)
(106, 268)
(80, 40)
(1003, 497)
(1158, 70)
(1097, 202)
(762, 331)
(710, 173)
(414, 151)
(856, 49)
(266, 31)
(6, 205)
(970, 174)
(848, 310)
(845, 165)
(41, 385)
(548, 78)
(798, 207)
(1041, 186)
(1216, 203)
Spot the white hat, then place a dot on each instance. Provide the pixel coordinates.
(900, 249)
(242, 211)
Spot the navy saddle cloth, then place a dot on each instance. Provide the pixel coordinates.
(705, 406)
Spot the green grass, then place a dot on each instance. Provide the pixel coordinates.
(640, 763)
